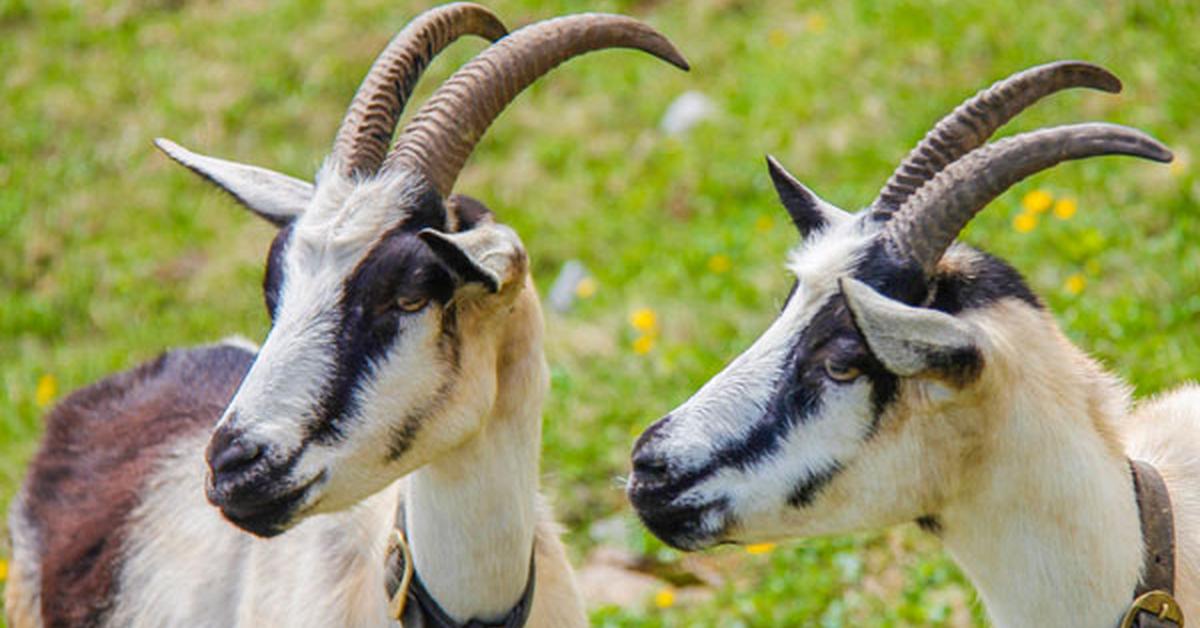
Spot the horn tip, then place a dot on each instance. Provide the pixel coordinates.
(1097, 76)
(1162, 154)
(669, 53)
(664, 49)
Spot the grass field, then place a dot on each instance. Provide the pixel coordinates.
(108, 254)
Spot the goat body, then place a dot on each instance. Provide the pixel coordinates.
(911, 378)
(404, 362)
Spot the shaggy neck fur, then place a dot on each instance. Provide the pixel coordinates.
(471, 513)
(1046, 522)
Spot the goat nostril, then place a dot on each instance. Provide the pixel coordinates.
(649, 464)
(236, 455)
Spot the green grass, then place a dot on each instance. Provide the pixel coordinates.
(108, 254)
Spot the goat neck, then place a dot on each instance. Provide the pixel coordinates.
(1046, 525)
(471, 513)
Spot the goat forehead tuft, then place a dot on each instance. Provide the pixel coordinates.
(353, 214)
(828, 255)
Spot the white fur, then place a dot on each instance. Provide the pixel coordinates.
(23, 591)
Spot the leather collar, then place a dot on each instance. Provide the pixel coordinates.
(1154, 605)
(421, 610)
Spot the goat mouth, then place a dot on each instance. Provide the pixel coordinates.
(687, 527)
(271, 515)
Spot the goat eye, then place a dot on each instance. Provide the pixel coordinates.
(840, 372)
(412, 304)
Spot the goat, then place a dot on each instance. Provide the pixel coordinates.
(912, 378)
(399, 388)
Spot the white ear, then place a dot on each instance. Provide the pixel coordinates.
(912, 341)
(276, 197)
(489, 254)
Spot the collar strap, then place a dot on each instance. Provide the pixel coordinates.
(412, 604)
(1154, 605)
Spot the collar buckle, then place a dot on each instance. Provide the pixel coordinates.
(1160, 605)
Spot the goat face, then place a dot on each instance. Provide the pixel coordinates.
(381, 355)
(792, 436)
(387, 309)
(838, 416)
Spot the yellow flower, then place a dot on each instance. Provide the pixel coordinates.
(643, 344)
(719, 263)
(814, 22)
(1064, 208)
(776, 37)
(644, 320)
(665, 598)
(1025, 222)
(1075, 284)
(764, 223)
(1037, 201)
(47, 388)
(586, 288)
(759, 548)
(3, 570)
(1178, 167)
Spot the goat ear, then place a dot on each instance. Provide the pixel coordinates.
(912, 341)
(275, 197)
(809, 213)
(489, 254)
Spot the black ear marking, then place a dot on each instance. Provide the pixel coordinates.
(457, 261)
(801, 204)
(465, 212)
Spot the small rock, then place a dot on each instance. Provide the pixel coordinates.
(690, 109)
(564, 290)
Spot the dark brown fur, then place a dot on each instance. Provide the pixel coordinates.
(101, 444)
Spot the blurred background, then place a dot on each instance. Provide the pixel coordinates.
(651, 180)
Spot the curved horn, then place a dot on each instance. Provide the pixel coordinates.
(446, 129)
(366, 132)
(975, 120)
(923, 228)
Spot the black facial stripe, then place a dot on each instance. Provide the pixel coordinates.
(273, 277)
(930, 524)
(806, 490)
(399, 266)
(799, 389)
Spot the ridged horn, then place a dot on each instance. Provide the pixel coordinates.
(363, 139)
(446, 129)
(974, 121)
(929, 221)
